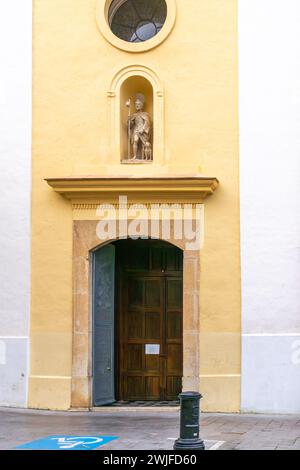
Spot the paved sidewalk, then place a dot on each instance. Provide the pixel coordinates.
(141, 429)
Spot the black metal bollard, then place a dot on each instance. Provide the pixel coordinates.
(189, 422)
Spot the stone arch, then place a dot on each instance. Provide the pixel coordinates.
(85, 242)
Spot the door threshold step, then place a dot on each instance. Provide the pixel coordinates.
(131, 409)
(146, 403)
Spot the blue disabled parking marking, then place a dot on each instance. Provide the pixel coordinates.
(68, 443)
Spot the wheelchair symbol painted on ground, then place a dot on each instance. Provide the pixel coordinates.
(71, 442)
(68, 443)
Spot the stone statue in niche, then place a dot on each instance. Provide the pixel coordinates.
(139, 131)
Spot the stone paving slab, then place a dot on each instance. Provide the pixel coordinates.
(142, 429)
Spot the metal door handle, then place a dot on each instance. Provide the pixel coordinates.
(108, 368)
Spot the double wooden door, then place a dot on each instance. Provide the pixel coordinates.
(150, 358)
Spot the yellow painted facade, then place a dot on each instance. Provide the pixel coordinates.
(74, 69)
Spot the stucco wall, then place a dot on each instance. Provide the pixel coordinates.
(74, 67)
(15, 164)
(269, 58)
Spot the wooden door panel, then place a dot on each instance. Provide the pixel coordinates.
(152, 363)
(153, 293)
(141, 324)
(135, 292)
(152, 388)
(152, 326)
(173, 259)
(151, 314)
(135, 325)
(135, 357)
(174, 359)
(174, 387)
(174, 325)
(135, 388)
(174, 293)
(156, 259)
(174, 334)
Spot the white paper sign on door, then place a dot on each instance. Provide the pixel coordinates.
(152, 349)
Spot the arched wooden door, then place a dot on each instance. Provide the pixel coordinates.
(149, 318)
(137, 322)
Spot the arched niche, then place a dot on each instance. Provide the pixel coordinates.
(126, 84)
(130, 88)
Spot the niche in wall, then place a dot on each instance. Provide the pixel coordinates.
(136, 138)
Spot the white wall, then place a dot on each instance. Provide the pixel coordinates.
(270, 201)
(269, 57)
(15, 174)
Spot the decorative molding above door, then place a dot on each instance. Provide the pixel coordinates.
(80, 189)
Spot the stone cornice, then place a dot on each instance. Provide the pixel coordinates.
(83, 188)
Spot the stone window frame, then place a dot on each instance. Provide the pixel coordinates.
(102, 10)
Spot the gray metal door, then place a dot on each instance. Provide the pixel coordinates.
(103, 326)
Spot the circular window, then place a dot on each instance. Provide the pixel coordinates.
(137, 20)
(135, 25)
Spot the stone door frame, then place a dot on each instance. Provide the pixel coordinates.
(85, 241)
